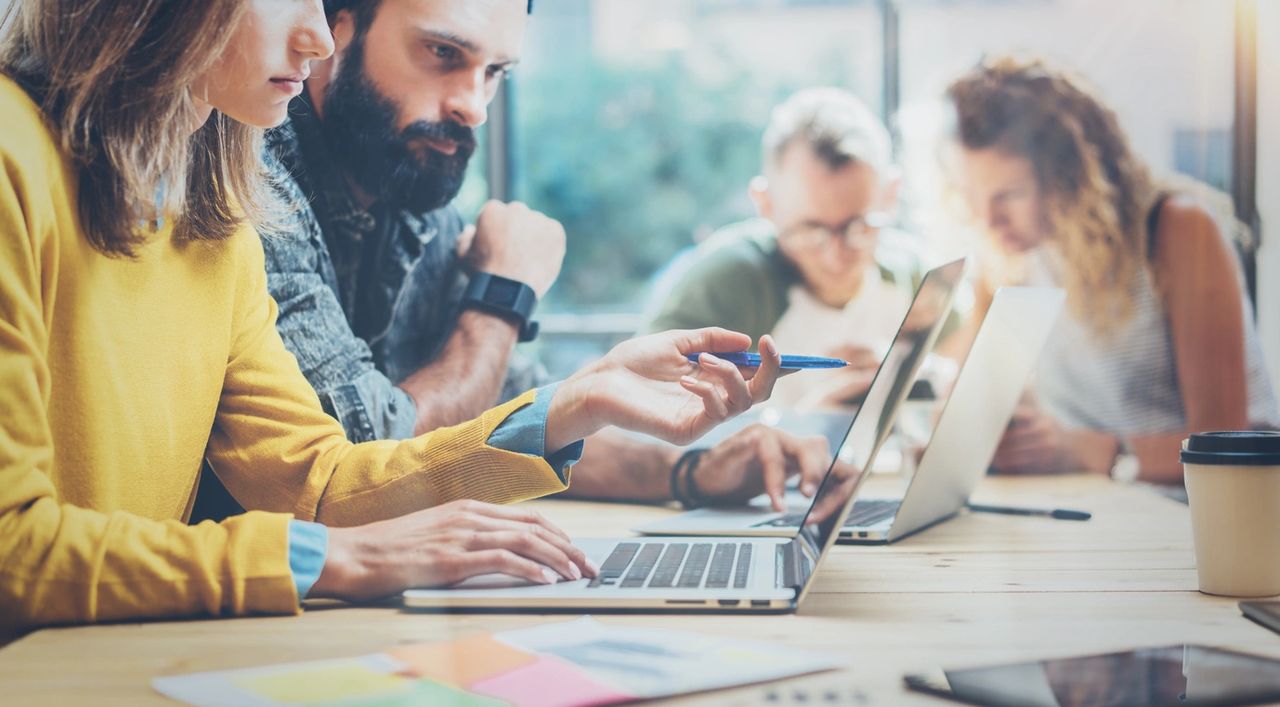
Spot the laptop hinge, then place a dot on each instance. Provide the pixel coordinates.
(793, 566)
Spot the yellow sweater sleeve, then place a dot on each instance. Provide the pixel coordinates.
(60, 563)
(276, 449)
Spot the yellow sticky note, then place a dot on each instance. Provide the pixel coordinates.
(331, 683)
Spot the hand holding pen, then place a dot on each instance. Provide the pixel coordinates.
(745, 359)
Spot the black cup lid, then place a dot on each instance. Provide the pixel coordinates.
(1256, 448)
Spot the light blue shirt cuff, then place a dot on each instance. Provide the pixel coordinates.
(525, 432)
(308, 545)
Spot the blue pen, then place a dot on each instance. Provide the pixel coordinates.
(789, 363)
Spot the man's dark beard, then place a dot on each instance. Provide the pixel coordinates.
(360, 129)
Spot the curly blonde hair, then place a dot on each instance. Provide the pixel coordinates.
(1097, 193)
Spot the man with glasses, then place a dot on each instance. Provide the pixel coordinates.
(817, 269)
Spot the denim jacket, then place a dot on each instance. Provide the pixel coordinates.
(366, 319)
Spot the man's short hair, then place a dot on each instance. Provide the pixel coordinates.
(333, 7)
(836, 125)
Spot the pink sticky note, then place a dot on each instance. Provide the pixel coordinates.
(550, 682)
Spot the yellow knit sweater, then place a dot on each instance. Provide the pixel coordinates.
(118, 376)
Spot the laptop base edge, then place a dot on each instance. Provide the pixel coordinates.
(708, 607)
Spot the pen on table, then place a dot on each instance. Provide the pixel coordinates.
(1059, 513)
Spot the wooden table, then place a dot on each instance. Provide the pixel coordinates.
(977, 589)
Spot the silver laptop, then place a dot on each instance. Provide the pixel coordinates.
(733, 573)
(672, 574)
(898, 371)
(963, 439)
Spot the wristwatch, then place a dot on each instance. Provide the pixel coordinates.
(503, 297)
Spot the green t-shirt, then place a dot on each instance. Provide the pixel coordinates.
(738, 279)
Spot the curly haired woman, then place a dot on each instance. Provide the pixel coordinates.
(1158, 337)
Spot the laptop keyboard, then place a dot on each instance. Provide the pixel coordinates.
(676, 565)
(864, 513)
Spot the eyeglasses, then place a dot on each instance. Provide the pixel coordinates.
(859, 230)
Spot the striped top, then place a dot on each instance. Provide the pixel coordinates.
(1127, 383)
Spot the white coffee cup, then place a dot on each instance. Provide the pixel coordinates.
(1233, 487)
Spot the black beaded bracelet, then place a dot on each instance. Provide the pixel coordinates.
(676, 472)
(690, 483)
(683, 489)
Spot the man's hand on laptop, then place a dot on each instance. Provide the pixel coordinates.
(515, 242)
(444, 545)
(761, 459)
(648, 385)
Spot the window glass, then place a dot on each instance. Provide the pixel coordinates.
(638, 123)
(1164, 66)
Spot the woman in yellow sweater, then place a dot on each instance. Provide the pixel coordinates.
(137, 339)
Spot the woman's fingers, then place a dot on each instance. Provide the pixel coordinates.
(730, 381)
(516, 514)
(535, 545)
(499, 561)
(760, 386)
(485, 524)
(740, 390)
(710, 339)
(482, 518)
(713, 400)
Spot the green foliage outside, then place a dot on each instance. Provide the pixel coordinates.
(634, 162)
(637, 162)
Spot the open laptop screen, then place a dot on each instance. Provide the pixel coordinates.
(874, 420)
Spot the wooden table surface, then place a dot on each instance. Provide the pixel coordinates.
(977, 589)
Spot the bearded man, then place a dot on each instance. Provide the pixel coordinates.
(404, 319)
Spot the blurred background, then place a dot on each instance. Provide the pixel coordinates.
(637, 124)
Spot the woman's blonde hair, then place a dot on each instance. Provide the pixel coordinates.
(1097, 193)
(113, 78)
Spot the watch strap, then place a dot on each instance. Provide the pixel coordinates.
(503, 297)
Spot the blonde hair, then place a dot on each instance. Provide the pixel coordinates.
(113, 78)
(834, 123)
(1097, 193)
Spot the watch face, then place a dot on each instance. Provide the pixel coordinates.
(502, 292)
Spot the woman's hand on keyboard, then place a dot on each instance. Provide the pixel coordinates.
(444, 545)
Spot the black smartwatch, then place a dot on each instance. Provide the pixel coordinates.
(503, 297)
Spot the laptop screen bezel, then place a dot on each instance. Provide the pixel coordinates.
(801, 542)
